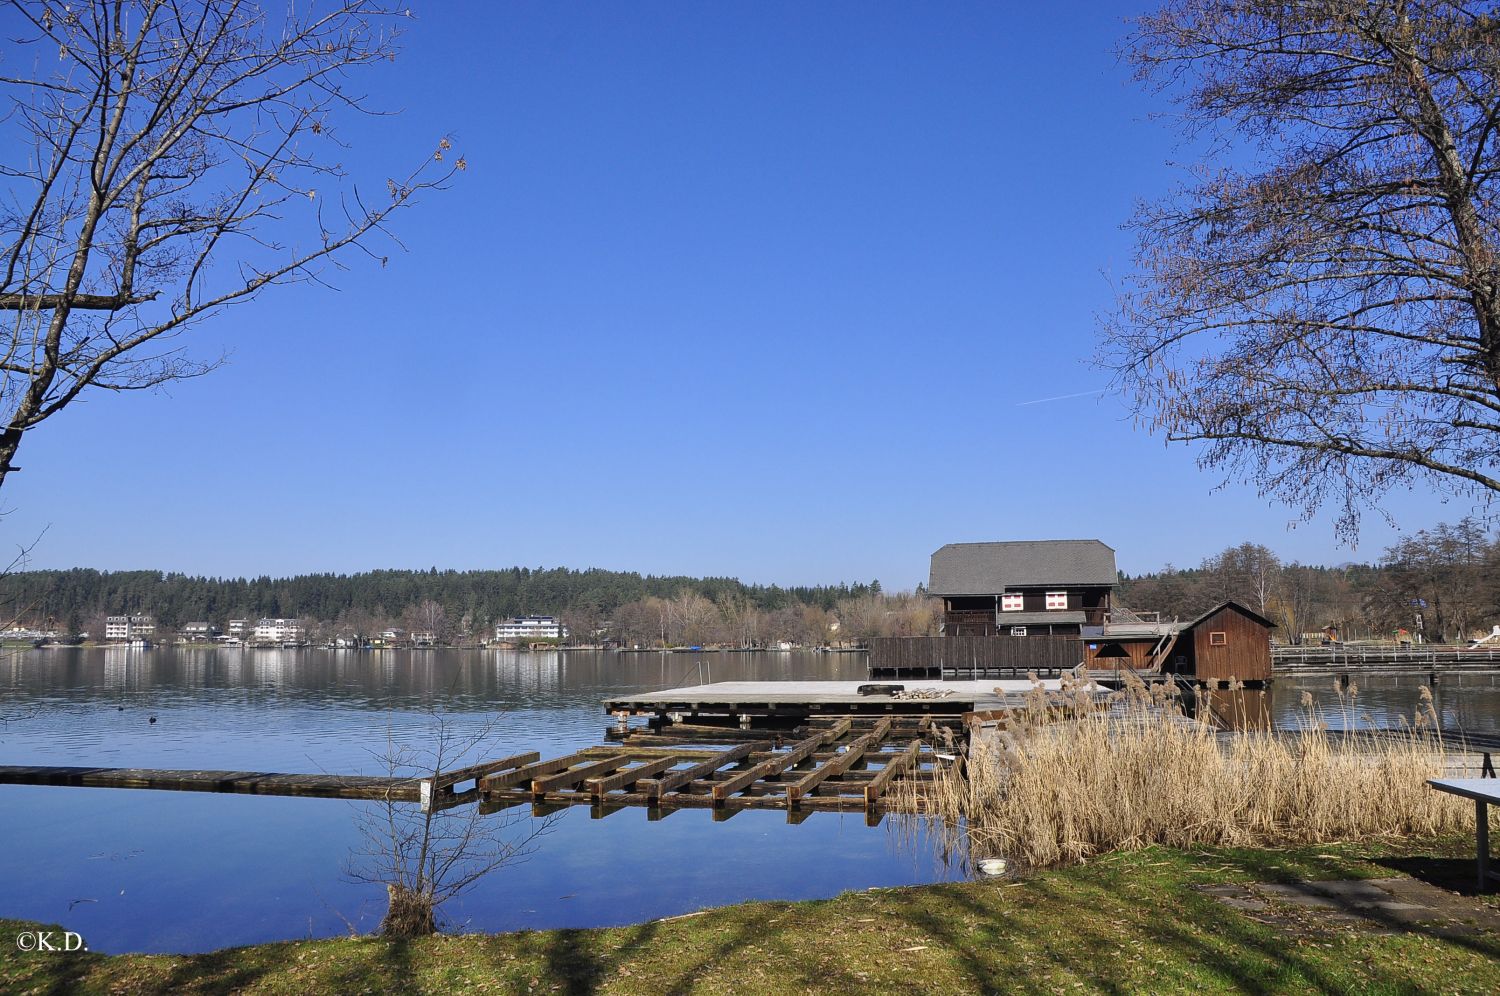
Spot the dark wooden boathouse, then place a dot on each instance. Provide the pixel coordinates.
(1023, 588)
(1008, 608)
(1228, 642)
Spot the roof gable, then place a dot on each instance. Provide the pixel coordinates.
(991, 568)
(1237, 607)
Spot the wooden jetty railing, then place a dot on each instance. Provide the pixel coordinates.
(1332, 659)
(833, 763)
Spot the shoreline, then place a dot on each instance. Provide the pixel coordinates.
(1126, 921)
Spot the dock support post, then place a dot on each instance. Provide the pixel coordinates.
(1482, 841)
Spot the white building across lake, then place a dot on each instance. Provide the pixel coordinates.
(129, 627)
(279, 631)
(522, 628)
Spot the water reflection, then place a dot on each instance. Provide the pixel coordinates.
(1241, 709)
(196, 871)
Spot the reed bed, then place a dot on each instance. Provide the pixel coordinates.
(1076, 774)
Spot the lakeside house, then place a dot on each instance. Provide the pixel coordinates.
(1047, 606)
(520, 629)
(1023, 588)
(129, 627)
(196, 632)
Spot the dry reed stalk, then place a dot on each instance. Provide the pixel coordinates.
(1064, 781)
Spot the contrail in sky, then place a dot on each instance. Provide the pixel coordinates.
(1061, 397)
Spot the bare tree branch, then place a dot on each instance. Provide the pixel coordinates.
(152, 135)
(1326, 320)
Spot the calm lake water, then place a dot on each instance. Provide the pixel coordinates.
(177, 871)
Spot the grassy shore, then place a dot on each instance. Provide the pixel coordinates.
(1127, 922)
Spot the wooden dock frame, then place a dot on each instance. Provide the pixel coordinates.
(828, 764)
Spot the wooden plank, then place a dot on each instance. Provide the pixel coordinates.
(839, 764)
(723, 790)
(639, 752)
(877, 785)
(453, 777)
(527, 772)
(609, 783)
(442, 783)
(572, 776)
(247, 782)
(656, 788)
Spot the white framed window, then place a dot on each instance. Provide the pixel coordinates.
(1217, 639)
(1018, 631)
(1013, 602)
(1057, 600)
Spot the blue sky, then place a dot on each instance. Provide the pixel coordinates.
(739, 289)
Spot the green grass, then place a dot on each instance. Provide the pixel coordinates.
(1127, 922)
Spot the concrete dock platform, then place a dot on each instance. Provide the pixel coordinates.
(800, 699)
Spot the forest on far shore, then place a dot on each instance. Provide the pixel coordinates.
(1443, 582)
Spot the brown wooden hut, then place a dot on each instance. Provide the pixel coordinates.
(1227, 642)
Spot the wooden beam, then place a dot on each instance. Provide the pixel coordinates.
(776, 765)
(877, 785)
(572, 776)
(839, 764)
(639, 753)
(599, 786)
(443, 781)
(655, 788)
(527, 772)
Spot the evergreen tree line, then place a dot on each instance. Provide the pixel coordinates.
(72, 599)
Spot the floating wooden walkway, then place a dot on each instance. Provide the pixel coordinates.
(249, 782)
(833, 763)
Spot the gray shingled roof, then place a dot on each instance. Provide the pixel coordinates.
(991, 568)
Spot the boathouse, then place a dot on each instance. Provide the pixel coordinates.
(1009, 608)
(1023, 588)
(1227, 642)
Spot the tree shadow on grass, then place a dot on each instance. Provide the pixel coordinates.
(581, 960)
(1455, 875)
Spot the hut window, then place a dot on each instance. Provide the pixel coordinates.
(1018, 631)
(1057, 600)
(1012, 603)
(1218, 639)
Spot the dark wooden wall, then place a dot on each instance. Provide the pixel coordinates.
(1137, 653)
(975, 615)
(1246, 655)
(962, 654)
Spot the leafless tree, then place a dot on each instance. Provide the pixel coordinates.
(1325, 318)
(429, 619)
(164, 160)
(1249, 573)
(425, 856)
